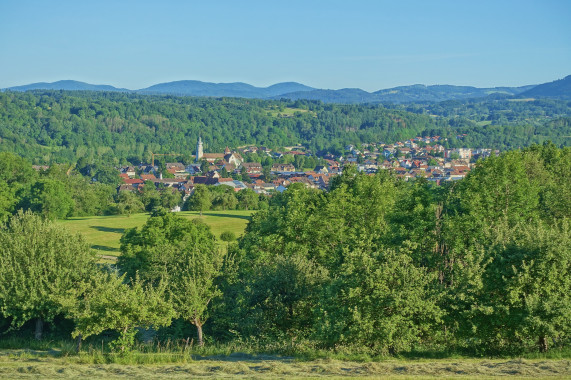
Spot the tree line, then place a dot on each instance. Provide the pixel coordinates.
(480, 265)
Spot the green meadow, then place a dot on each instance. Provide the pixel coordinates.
(104, 232)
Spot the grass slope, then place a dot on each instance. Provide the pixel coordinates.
(104, 232)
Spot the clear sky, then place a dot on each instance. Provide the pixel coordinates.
(325, 44)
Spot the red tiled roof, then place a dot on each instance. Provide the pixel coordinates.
(132, 181)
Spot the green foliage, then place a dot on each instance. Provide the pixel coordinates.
(200, 200)
(312, 265)
(247, 199)
(379, 300)
(106, 302)
(128, 203)
(228, 236)
(49, 198)
(486, 242)
(375, 265)
(524, 300)
(223, 197)
(182, 252)
(39, 263)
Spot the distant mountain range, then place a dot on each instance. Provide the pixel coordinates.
(238, 89)
(560, 89)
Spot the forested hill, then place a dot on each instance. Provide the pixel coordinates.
(239, 90)
(62, 126)
(68, 85)
(560, 89)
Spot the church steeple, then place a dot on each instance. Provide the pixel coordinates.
(199, 150)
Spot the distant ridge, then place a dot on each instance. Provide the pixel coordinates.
(405, 94)
(560, 89)
(292, 90)
(69, 85)
(238, 89)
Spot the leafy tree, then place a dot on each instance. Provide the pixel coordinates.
(281, 296)
(524, 299)
(228, 236)
(107, 175)
(200, 199)
(299, 161)
(15, 170)
(184, 253)
(150, 196)
(128, 203)
(170, 198)
(39, 262)
(8, 201)
(247, 199)
(204, 165)
(223, 197)
(432, 162)
(50, 198)
(380, 300)
(106, 302)
(314, 228)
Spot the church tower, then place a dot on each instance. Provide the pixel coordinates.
(199, 151)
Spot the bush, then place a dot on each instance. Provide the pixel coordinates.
(227, 236)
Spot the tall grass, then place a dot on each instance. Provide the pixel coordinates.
(173, 352)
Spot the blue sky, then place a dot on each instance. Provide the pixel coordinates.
(324, 44)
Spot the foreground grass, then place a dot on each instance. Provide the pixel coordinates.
(104, 232)
(28, 365)
(255, 360)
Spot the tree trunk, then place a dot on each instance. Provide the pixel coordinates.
(199, 333)
(78, 343)
(543, 345)
(39, 329)
(123, 347)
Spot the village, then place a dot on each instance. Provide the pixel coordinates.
(418, 157)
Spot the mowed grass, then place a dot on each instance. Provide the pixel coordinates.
(23, 365)
(104, 232)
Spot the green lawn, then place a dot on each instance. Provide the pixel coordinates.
(104, 232)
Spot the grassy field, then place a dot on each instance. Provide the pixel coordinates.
(104, 232)
(19, 364)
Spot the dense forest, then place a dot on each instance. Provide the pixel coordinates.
(64, 126)
(376, 265)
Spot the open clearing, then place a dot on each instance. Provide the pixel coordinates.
(287, 112)
(22, 365)
(104, 232)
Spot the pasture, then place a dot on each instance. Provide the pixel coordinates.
(103, 232)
